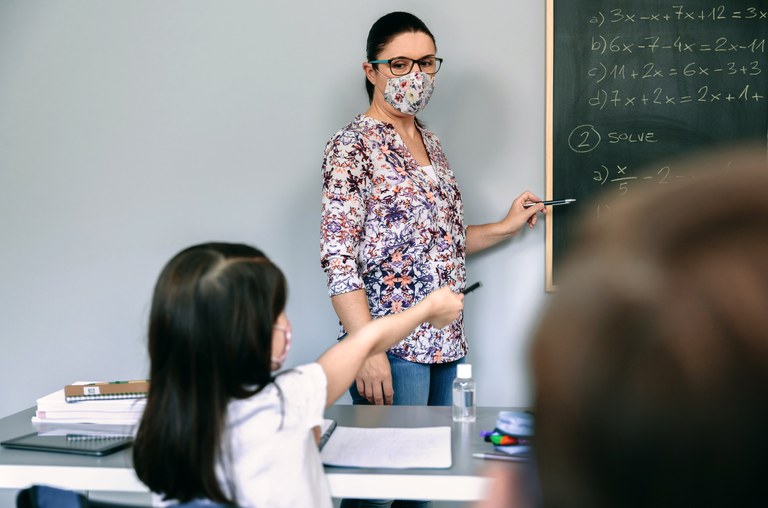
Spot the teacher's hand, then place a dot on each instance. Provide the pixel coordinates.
(518, 215)
(374, 380)
(485, 235)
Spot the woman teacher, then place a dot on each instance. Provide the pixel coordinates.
(393, 219)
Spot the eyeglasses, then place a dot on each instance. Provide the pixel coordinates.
(402, 65)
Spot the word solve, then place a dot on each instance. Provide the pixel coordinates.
(585, 138)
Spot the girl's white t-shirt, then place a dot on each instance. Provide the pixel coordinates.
(274, 459)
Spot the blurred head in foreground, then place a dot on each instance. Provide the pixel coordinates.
(651, 362)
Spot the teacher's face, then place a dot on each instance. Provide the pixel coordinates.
(414, 45)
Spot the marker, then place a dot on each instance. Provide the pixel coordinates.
(501, 456)
(550, 202)
(471, 288)
(502, 440)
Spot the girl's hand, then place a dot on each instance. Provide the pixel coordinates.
(443, 306)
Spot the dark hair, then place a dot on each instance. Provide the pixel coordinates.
(210, 340)
(384, 30)
(651, 362)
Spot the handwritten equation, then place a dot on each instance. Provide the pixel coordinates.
(660, 97)
(651, 70)
(621, 44)
(625, 178)
(664, 65)
(621, 175)
(681, 13)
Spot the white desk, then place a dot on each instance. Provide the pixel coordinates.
(462, 482)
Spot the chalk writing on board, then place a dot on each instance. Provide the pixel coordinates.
(660, 96)
(585, 138)
(635, 88)
(724, 82)
(623, 176)
(681, 13)
(650, 70)
(620, 44)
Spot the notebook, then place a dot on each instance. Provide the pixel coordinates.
(395, 448)
(109, 390)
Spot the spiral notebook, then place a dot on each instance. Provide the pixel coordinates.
(108, 390)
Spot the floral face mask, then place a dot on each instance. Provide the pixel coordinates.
(409, 94)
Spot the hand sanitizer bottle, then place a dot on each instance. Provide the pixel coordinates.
(464, 409)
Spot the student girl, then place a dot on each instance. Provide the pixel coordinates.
(219, 423)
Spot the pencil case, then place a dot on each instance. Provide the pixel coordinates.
(515, 423)
(523, 451)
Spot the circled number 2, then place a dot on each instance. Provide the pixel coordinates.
(583, 139)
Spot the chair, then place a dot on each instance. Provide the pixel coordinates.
(42, 496)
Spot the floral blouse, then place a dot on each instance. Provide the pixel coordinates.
(394, 229)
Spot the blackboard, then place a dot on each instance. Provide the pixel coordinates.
(635, 85)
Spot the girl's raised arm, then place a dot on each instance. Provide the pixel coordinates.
(342, 361)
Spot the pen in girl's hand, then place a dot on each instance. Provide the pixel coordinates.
(471, 288)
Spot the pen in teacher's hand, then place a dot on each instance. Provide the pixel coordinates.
(471, 288)
(550, 202)
(501, 456)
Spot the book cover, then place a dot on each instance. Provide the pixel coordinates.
(106, 390)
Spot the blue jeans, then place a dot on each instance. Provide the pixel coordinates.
(415, 384)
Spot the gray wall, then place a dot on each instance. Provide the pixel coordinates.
(131, 129)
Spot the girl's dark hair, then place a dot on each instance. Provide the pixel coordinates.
(384, 30)
(210, 340)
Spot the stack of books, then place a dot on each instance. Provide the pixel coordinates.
(113, 408)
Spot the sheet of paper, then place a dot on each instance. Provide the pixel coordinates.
(86, 429)
(398, 448)
(56, 402)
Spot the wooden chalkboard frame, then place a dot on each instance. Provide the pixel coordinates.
(550, 122)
